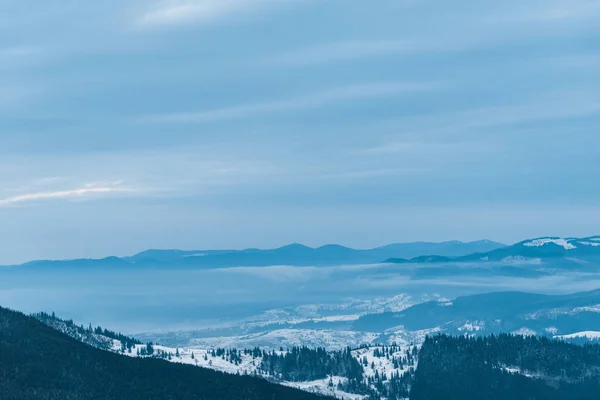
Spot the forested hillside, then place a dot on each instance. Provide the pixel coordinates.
(506, 367)
(38, 362)
(99, 337)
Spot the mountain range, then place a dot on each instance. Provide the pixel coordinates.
(571, 251)
(293, 254)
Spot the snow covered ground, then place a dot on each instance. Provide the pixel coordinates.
(374, 362)
(330, 339)
(322, 386)
(555, 312)
(593, 335)
(557, 241)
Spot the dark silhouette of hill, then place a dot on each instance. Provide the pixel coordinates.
(506, 367)
(40, 363)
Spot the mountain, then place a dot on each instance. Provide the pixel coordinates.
(505, 367)
(293, 254)
(495, 313)
(566, 251)
(96, 337)
(298, 254)
(447, 249)
(343, 373)
(38, 362)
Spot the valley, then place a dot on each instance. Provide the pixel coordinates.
(380, 314)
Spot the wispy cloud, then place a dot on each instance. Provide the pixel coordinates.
(369, 174)
(313, 100)
(432, 148)
(17, 56)
(89, 189)
(173, 12)
(552, 11)
(342, 51)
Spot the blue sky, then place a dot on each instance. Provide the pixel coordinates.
(127, 125)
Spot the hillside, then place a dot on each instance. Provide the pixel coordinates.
(374, 371)
(38, 362)
(506, 367)
(500, 312)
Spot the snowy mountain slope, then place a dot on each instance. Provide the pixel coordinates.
(495, 313)
(331, 339)
(96, 337)
(568, 252)
(592, 335)
(326, 325)
(39, 362)
(380, 363)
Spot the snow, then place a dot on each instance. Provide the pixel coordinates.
(594, 244)
(552, 330)
(349, 310)
(594, 308)
(585, 335)
(383, 365)
(403, 337)
(442, 301)
(524, 331)
(544, 241)
(296, 320)
(521, 260)
(474, 326)
(330, 339)
(249, 365)
(321, 386)
(517, 370)
(555, 312)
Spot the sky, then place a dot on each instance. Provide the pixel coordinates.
(194, 124)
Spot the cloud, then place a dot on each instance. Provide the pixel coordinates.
(370, 174)
(343, 51)
(173, 12)
(503, 25)
(554, 11)
(279, 273)
(420, 148)
(18, 56)
(313, 100)
(92, 188)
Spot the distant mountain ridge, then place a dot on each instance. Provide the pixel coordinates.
(292, 254)
(570, 250)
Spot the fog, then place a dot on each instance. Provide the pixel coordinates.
(162, 300)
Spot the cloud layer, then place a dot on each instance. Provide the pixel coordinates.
(89, 189)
